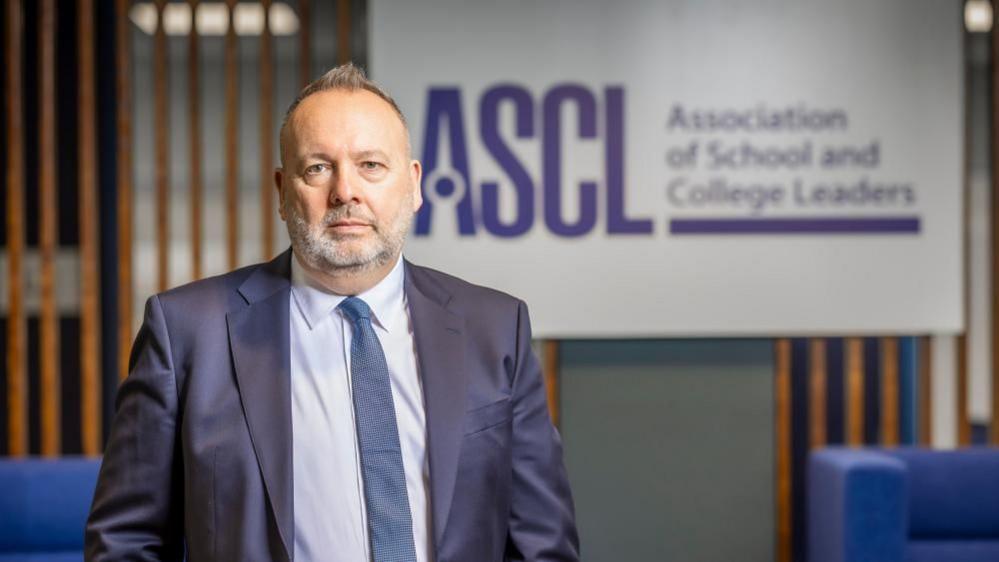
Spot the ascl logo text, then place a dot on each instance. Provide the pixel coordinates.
(446, 164)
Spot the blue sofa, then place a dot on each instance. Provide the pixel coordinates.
(903, 505)
(43, 508)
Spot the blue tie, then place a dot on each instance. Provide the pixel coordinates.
(390, 527)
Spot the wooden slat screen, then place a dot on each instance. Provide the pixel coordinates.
(49, 409)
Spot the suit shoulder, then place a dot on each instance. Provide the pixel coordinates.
(465, 294)
(208, 292)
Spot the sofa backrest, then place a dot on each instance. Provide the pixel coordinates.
(952, 494)
(44, 503)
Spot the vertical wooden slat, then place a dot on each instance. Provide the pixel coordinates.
(267, 193)
(889, 391)
(17, 384)
(123, 89)
(963, 421)
(343, 26)
(304, 42)
(994, 226)
(551, 372)
(782, 404)
(194, 138)
(48, 361)
(854, 350)
(817, 392)
(907, 390)
(90, 380)
(925, 391)
(162, 149)
(231, 130)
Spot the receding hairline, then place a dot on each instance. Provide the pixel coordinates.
(344, 78)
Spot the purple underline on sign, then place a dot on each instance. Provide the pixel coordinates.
(796, 225)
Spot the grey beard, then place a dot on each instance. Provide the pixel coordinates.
(327, 254)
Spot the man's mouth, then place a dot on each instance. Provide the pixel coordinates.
(349, 227)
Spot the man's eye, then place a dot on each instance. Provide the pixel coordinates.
(315, 169)
(369, 165)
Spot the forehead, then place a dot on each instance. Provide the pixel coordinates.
(345, 118)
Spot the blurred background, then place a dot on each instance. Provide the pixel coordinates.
(696, 348)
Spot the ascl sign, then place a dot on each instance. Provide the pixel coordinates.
(450, 184)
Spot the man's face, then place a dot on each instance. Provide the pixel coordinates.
(348, 187)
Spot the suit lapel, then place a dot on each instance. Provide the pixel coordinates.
(440, 344)
(259, 340)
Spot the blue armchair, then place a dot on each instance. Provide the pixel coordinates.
(904, 505)
(43, 508)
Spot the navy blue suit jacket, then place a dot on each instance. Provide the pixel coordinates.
(199, 458)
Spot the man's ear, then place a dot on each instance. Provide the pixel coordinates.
(416, 176)
(278, 176)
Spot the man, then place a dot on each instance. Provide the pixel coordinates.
(337, 403)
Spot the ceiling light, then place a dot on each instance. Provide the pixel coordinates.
(978, 16)
(212, 18)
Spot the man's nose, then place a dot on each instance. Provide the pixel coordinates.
(344, 189)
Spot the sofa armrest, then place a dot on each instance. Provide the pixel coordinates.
(857, 506)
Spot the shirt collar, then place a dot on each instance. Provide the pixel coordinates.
(316, 303)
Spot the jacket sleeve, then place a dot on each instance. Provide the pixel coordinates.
(137, 512)
(542, 523)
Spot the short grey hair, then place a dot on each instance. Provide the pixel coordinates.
(345, 77)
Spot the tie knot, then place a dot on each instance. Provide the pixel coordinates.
(355, 309)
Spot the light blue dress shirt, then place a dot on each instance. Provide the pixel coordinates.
(330, 519)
